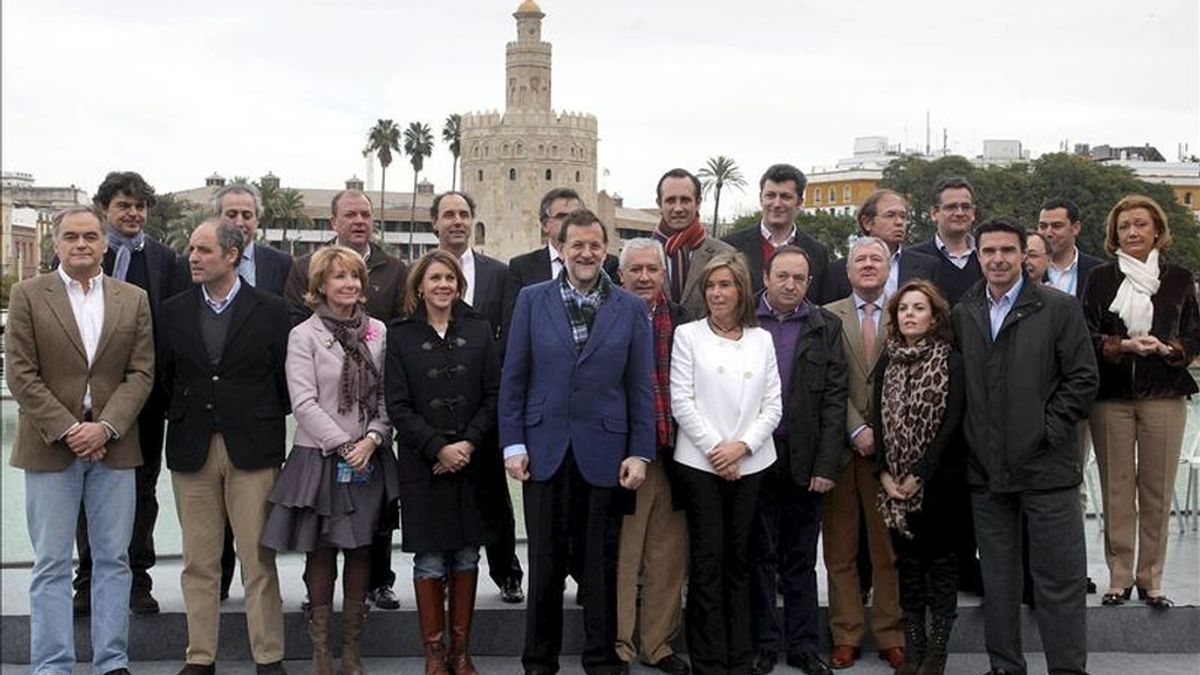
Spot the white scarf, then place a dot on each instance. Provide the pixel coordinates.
(1132, 302)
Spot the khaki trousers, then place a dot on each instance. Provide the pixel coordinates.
(854, 494)
(202, 500)
(1137, 451)
(654, 545)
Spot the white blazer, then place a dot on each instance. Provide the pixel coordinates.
(724, 390)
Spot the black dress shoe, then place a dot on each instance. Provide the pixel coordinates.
(383, 598)
(511, 593)
(1091, 586)
(672, 665)
(809, 662)
(764, 663)
(118, 671)
(275, 668)
(141, 602)
(198, 669)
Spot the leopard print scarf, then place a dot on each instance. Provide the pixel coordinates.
(916, 384)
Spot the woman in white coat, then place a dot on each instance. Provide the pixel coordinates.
(726, 399)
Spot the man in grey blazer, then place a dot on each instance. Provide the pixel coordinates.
(453, 216)
(686, 242)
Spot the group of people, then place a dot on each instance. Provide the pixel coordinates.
(693, 413)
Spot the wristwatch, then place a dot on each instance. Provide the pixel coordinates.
(375, 436)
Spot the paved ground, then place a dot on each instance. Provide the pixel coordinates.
(1099, 664)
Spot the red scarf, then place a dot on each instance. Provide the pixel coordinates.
(660, 321)
(679, 246)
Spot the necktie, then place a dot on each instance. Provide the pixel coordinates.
(868, 332)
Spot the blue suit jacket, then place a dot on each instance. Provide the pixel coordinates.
(597, 402)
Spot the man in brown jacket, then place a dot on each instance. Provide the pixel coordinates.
(80, 367)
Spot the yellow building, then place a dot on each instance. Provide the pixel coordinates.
(840, 191)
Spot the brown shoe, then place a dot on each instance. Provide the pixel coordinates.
(894, 656)
(431, 615)
(462, 608)
(318, 634)
(843, 656)
(354, 616)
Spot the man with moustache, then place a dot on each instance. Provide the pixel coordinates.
(133, 257)
(577, 424)
(781, 193)
(545, 263)
(223, 362)
(852, 500)
(810, 445)
(1027, 356)
(262, 266)
(353, 227)
(654, 536)
(79, 358)
(884, 214)
(687, 244)
(453, 215)
(953, 212)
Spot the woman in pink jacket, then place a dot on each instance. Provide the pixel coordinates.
(341, 469)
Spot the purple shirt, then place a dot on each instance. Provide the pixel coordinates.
(785, 332)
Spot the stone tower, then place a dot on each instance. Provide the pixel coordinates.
(510, 160)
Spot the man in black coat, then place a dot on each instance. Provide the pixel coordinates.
(1027, 356)
(453, 216)
(225, 346)
(884, 215)
(781, 193)
(810, 442)
(545, 262)
(132, 256)
(953, 212)
(1069, 267)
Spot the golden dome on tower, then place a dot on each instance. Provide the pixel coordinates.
(529, 7)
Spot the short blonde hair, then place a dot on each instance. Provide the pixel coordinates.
(417, 274)
(321, 265)
(736, 264)
(1128, 203)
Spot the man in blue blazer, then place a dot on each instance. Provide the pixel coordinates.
(576, 424)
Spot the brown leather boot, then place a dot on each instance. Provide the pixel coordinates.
(354, 617)
(431, 615)
(462, 608)
(318, 634)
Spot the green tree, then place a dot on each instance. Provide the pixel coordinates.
(383, 139)
(452, 135)
(171, 221)
(719, 172)
(287, 212)
(418, 145)
(6, 283)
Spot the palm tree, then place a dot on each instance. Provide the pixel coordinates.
(287, 210)
(418, 144)
(383, 139)
(720, 171)
(453, 136)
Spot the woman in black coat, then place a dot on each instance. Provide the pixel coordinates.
(442, 376)
(918, 405)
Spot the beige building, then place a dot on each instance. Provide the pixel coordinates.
(510, 159)
(25, 213)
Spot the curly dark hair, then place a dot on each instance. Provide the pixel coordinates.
(129, 182)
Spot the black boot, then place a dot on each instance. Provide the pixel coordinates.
(914, 642)
(934, 662)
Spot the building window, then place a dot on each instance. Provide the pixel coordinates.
(846, 194)
(480, 173)
(512, 174)
(576, 176)
(548, 174)
(832, 195)
(554, 151)
(505, 150)
(1187, 199)
(541, 150)
(520, 149)
(480, 233)
(816, 195)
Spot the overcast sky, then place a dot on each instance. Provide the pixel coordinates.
(180, 90)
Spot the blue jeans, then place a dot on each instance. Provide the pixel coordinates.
(52, 501)
(438, 564)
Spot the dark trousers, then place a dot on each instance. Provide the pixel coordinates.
(562, 514)
(1058, 564)
(141, 546)
(720, 515)
(502, 561)
(783, 544)
(927, 565)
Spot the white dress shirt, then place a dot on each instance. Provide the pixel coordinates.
(960, 260)
(724, 390)
(999, 308)
(556, 261)
(467, 261)
(88, 308)
(1065, 279)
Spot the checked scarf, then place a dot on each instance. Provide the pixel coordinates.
(679, 245)
(660, 322)
(582, 307)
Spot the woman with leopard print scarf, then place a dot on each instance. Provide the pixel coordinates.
(919, 395)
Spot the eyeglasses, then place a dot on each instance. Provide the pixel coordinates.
(957, 208)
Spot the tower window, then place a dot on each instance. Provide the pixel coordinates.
(548, 174)
(512, 174)
(480, 175)
(480, 233)
(576, 176)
